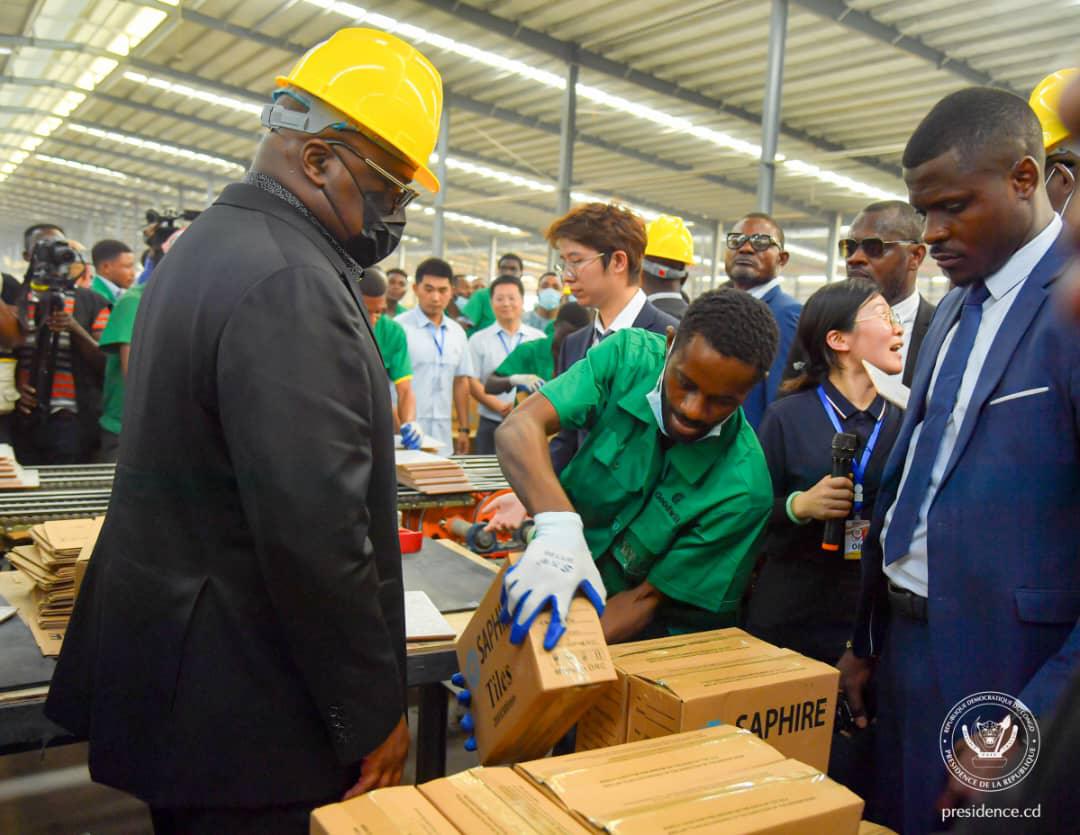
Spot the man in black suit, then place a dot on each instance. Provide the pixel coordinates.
(237, 653)
(884, 245)
(602, 246)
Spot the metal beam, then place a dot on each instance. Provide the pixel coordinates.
(567, 137)
(770, 117)
(840, 12)
(832, 248)
(564, 50)
(442, 148)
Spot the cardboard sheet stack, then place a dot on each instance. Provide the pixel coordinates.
(13, 476)
(721, 779)
(50, 562)
(430, 473)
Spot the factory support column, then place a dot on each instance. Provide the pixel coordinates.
(770, 116)
(442, 148)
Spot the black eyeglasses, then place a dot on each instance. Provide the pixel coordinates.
(395, 199)
(873, 247)
(760, 242)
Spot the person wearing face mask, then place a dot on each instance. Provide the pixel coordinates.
(1062, 148)
(549, 298)
(661, 507)
(256, 666)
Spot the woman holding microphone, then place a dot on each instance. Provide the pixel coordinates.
(805, 595)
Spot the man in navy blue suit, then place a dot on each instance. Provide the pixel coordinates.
(753, 259)
(971, 572)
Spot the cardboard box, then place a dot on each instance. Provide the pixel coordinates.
(784, 798)
(524, 698)
(400, 810)
(788, 700)
(868, 828)
(612, 782)
(499, 802)
(604, 724)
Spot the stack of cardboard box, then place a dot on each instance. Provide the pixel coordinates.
(721, 779)
(52, 563)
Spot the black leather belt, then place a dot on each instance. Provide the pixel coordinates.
(907, 603)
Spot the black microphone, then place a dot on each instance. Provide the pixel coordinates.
(843, 460)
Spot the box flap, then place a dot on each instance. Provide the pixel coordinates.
(744, 673)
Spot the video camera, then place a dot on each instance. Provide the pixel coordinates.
(51, 265)
(161, 225)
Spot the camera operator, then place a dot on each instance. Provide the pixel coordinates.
(160, 227)
(59, 365)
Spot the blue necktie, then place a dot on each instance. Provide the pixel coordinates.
(942, 401)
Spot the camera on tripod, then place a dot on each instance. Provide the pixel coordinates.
(51, 264)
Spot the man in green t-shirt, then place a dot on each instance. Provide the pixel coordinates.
(531, 364)
(661, 508)
(394, 347)
(116, 343)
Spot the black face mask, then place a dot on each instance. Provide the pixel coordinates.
(380, 236)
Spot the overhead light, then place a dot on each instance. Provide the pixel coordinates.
(83, 166)
(479, 222)
(587, 92)
(68, 103)
(152, 145)
(48, 125)
(194, 93)
(840, 180)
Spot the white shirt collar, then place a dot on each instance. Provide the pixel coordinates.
(760, 291)
(1023, 261)
(908, 308)
(626, 316)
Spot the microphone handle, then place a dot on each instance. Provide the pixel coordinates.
(833, 538)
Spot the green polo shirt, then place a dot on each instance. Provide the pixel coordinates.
(117, 332)
(478, 310)
(394, 347)
(530, 358)
(688, 518)
(103, 289)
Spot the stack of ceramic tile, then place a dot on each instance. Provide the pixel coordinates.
(50, 563)
(13, 476)
(430, 473)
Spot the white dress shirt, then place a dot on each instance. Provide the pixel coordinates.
(489, 347)
(438, 355)
(760, 290)
(625, 318)
(906, 311)
(910, 571)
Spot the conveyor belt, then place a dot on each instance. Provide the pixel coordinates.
(81, 491)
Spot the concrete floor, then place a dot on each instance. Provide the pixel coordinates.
(50, 792)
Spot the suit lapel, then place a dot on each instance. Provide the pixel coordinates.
(1032, 297)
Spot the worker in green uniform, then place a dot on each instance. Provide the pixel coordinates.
(662, 506)
(531, 364)
(394, 347)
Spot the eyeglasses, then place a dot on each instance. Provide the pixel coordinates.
(760, 242)
(887, 315)
(571, 268)
(395, 200)
(873, 247)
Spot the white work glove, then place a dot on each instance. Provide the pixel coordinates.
(555, 565)
(528, 382)
(411, 436)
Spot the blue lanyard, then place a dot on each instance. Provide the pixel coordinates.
(435, 339)
(506, 347)
(858, 468)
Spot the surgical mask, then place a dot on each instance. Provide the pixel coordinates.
(548, 298)
(380, 235)
(656, 404)
(1066, 172)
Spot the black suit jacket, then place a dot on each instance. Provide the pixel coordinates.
(918, 330)
(574, 347)
(239, 636)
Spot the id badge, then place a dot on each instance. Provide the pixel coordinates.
(855, 531)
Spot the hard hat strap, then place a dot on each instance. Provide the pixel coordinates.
(317, 118)
(661, 271)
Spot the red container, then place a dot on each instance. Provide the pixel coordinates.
(410, 540)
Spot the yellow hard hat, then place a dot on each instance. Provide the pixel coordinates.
(669, 238)
(384, 85)
(1044, 101)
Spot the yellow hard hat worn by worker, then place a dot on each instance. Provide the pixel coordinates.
(669, 239)
(1044, 101)
(371, 82)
